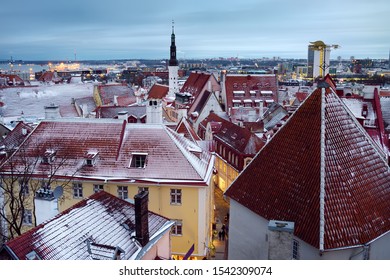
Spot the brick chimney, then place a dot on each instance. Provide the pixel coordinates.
(141, 217)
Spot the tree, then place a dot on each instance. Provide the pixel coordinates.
(32, 168)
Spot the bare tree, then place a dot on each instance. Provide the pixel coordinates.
(32, 169)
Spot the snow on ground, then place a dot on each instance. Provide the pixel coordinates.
(29, 102)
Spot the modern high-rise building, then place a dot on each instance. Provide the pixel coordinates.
(173, 68)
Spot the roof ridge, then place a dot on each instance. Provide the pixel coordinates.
(322, 172)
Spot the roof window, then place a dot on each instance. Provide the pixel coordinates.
(138, 160)
(48, 156)
(90, 158)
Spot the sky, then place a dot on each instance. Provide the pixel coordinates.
(124, 29)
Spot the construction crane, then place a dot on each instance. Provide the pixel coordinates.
(324, 52)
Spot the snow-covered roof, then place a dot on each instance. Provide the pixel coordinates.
(167, 152)
(95, 228)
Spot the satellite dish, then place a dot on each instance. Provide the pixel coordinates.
(58, 191)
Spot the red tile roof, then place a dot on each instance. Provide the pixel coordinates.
(124, 94)
(355, 181)
(98, 220)
(237, 137)
(169, 155)
(187, 130)
(195, 83)
(247, 83)
(158, 91)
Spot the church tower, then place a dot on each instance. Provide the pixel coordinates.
(173, 68)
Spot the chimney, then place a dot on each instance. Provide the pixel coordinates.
(115, 100)
(141, 217)
(52, 112)
(261, 111)
(123, 115)
(280, 240)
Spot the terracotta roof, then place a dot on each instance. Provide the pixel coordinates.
(108, 93)
(200, 102)
(301, 96)
(116, 142)
(237, 137)
(195, 83)
(46, 76)
(14, 138)
(355, 180)
(112, 111)
(187, 130)
(158, 91)
(91, 229)
(385, 106)
(248, 83)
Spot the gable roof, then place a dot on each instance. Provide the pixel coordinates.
(183, 127)
(323, 172)
(237, 137)
(91, 229)
(13, 140)
(109, 92)
(195, 83)
(116, 142)
(158, 91)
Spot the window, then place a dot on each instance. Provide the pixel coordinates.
(98, 188)
(295, 250)
(123, 192)
(27, 217)
(141, 189)
(177, 228)
(138, 160)
(48, 156)
(77, 190)
(23, 186)
(175, 196)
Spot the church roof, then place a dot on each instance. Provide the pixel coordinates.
(322, 171)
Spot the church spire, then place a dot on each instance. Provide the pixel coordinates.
(173, 59)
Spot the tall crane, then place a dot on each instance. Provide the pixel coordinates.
(324, 53)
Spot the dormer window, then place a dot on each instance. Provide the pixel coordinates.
(90, 158)
(138, 160)
(48, 156)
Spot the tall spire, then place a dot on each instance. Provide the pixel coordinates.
(173, 60)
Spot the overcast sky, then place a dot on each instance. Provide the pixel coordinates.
(124, 29)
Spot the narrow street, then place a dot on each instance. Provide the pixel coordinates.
(221, 218)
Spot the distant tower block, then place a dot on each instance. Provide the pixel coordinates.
(173, 68)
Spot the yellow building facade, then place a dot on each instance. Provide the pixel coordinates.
(175, 171)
